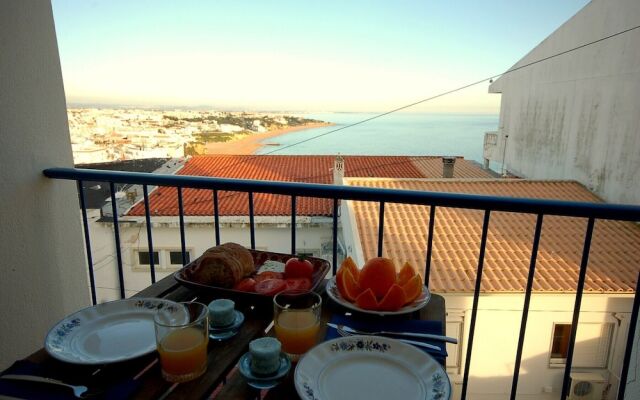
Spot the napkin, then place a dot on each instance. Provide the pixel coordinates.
(32, 390)
(408, 325)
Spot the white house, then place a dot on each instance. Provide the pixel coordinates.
(608, 295)
(576, 116)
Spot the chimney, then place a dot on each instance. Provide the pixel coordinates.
(448, 164)
(338, 170)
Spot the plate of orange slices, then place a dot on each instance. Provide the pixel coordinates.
(377, 288)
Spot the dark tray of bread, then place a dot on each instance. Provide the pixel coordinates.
(220, 268)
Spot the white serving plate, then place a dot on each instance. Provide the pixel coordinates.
(334, 294)
(111, 332)
(370, 367)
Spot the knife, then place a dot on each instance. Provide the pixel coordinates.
(389, 333)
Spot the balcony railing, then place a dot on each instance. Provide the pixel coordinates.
(487, 204)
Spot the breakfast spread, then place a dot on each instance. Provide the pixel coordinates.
(222, 266)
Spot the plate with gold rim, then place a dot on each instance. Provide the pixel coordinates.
(370, 367)
(111, 332)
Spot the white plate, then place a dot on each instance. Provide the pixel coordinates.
(110, 332)
(370, 367)
(334, 293)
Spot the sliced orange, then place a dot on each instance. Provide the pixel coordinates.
(412, 289)
(393, 300)
(378, 274)
(349, 265)
(348, 286)
(406, 272)
(367, 300)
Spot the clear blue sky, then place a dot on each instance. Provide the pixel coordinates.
(297, 55)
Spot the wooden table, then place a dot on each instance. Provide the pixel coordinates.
(223, 356)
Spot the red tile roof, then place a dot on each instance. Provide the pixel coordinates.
(614, 257)
(307, 168)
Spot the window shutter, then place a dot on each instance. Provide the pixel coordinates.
(592, 345)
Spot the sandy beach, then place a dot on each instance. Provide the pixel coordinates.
(251, 144)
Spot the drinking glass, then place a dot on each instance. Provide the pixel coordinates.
(296, 315)
(182, 344)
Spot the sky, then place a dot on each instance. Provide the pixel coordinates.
(297, 55)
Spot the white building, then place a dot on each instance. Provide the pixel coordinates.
(608, 295)
(576, 116)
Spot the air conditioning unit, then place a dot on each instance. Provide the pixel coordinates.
(586, 386)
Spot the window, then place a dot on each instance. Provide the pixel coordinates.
(145, 259)
(175, 257)
(591, 350)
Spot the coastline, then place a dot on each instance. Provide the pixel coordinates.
(251, 144)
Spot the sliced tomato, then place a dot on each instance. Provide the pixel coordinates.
(298, 268)
(246, 285)
(298, 284)
(268, 275)
(271, 287)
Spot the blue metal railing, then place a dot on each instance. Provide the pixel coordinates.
(488, 204)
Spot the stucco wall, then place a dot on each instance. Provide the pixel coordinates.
(576, 116)
(43, 271)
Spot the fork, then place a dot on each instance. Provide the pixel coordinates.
(390, 333)
(78, 390)
(342, 332)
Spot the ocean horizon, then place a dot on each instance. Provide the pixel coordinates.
(423, 134)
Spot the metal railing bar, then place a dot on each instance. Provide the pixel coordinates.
(87, 241)
(216, 216)
(147, 215)
(252, 226)
(335, 236)
(476, 297)
(183, 244)
(576, 308)
(427, 267)
(380, 228)
(525, 308)
(293, 224)
(453, 200)
(631, 335)
(116, 234)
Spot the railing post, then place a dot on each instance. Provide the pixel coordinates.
(183, 242)
(335, 236)
(87, 241)
(631, 335)
(116, 234)
(252, 226)
(474, 310)
(427, 267)
(216, 216)
(147, 215)
(381, 229)
(293, 224)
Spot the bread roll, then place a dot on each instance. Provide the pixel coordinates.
(222, 266)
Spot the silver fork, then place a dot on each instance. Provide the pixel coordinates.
(393, 333)
(78, 390)
(342, 332)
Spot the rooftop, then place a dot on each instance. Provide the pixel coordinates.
(305, 168)
(613, 261)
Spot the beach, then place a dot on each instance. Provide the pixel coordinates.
(252, 143)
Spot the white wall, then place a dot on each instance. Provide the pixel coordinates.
(633, 378)
(43, 271)
(576, 116)
(497, 330)
(198, 237)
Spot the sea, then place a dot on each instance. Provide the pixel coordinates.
(394, 134)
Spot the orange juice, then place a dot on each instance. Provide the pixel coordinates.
(297, 330)
(183, 351)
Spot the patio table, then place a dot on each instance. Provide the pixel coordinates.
(222, 359)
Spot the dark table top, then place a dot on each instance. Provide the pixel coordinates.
(223, 355)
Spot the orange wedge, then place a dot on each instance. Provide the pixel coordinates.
(412, 289)
(393, 300)
(367, 300)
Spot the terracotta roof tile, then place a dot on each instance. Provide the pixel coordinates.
(613, 263)
(308, 168)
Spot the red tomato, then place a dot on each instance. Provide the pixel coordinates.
(298, 284)
(271, 287)
(268, 275)
(246, 285)
(298, 268)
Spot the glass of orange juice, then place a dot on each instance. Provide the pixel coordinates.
(182, 344)
(296, 315)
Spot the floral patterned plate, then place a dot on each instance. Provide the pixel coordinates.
(110, 332)
(334, 294)
(370, 367)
